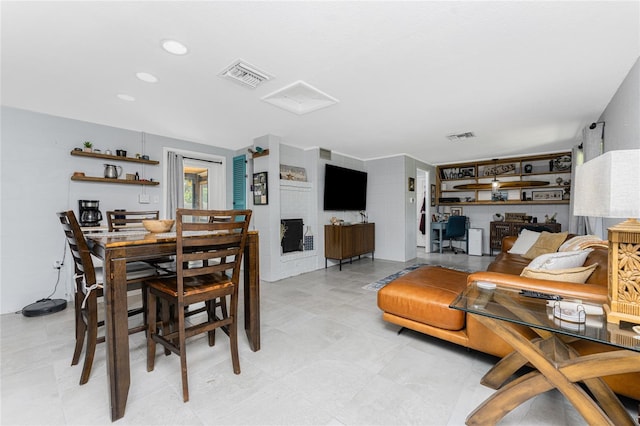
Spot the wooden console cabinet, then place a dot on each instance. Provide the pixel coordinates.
(347, 241)
(499, 230)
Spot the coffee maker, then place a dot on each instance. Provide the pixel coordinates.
(89, 212)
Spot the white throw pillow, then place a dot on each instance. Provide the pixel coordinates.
(560, 260)
(525, 241)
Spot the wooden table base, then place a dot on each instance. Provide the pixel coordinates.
(557, 366)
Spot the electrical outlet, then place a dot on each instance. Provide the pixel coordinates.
(57, 264)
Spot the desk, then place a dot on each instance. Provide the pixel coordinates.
(116, 251)
(440, 227)
(557, 365)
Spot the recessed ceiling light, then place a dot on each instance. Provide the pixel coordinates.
(175, 47)
(126, 97)
(145, 76)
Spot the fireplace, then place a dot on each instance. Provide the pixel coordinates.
(291, 235)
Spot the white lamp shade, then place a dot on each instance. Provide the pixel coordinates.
(609, 185)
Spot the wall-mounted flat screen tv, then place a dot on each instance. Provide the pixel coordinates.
(344, 189)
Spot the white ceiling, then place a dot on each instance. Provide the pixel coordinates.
(525, 77)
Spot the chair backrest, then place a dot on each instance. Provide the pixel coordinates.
(125, 219)
(83, 264)
(456, 226)
(210, 242)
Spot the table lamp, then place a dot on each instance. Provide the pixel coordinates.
(609, 186)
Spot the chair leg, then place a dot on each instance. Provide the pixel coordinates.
(144, 289)
(81, 329)
(211, 317)
(165, 317)
(92, 337)
(233, 334)
(183, 352)
(152, 328)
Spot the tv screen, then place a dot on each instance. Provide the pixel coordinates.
(344, 189)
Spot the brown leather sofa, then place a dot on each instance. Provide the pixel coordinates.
(420, 301)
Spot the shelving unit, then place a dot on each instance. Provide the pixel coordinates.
(539, 179)
(113, 158)
(121, 181)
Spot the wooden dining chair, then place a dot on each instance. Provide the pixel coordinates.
(88, 287)
(209, 247)
(121, 220)
(130, 220)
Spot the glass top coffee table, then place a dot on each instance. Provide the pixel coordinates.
(557, 364)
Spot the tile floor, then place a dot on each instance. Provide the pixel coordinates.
(327, 358)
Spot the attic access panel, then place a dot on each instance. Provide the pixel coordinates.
(300, 98)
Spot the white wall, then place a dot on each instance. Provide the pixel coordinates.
(35, 169)
(622, 114)
(386, 204)
(621, 118)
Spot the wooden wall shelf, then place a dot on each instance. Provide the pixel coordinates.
(535, 179)
(113, 157)
(121, 181)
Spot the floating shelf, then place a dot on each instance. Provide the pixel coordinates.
(106, 180)
(113, 157)
(260, 154)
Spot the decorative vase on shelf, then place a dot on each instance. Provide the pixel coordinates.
(308, 240)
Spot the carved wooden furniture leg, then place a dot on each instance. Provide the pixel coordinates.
(505, 368)
(561, 375)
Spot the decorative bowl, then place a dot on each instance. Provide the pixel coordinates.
(162, 225)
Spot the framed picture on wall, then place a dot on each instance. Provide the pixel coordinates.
(260, 189)
(412, 184)
(433, 195)
(456, 211)
(549, 195)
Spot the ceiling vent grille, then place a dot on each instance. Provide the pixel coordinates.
(246, 74)
(325, 154)
(300, 98)
(461, 136)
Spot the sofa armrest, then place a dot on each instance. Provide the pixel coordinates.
(591, 292)
(508, 242)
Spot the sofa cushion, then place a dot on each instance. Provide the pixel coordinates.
(571, 275)
(424, 295)
(560, 260)
(525, 241)
(583, 241)
(547, 243)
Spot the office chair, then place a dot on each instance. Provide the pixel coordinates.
(456, 230)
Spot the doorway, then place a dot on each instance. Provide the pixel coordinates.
(204, 184)
(194, 180)
(422, 206)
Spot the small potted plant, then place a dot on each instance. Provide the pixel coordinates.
(88, 146)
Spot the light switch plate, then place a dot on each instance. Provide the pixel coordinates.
(144, 199)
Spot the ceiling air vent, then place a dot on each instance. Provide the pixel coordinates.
(325, 154)
(300, 98)
(245, 73)
(461, 136)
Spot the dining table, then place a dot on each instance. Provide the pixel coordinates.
(116, 249)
